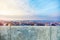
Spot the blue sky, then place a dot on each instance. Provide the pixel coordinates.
(45, 8)
(30, 9)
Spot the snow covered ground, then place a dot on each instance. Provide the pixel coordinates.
(29, 33)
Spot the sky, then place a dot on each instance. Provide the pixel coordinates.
(29, 9)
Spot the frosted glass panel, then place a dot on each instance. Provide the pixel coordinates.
(29, 33)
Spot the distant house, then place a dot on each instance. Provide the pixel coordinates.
(1, 24)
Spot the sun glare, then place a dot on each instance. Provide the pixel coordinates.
(3, 13)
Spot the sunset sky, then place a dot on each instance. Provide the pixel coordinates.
(29, 9)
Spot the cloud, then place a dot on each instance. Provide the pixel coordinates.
(15, 9)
